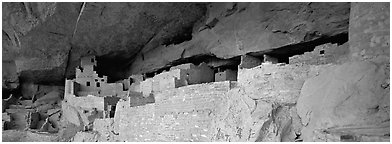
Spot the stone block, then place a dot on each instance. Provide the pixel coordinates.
(29, 90)
(19, 120)
(26, 102)
(50, 98)
(6, 117)
(55, 120)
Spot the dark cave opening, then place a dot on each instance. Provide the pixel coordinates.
(113, 66)
(231, 63)
(283, 53)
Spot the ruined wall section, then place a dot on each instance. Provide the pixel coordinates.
(168, 80)
(226, 75)
(181, 75)
(135, 124)
(87, 77)
(187, 113)
(88, 102)
(112, 89)
(322, 54)
(196, 74)
(91, 84)
(136, 80)
(183, 114)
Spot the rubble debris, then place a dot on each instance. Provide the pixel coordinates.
(50, 98)
(22, 118)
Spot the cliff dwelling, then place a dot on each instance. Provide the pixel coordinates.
(196, 72)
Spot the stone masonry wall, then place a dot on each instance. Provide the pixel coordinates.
(323, 54)
(135, 123)
(186, 114)
(183, 114)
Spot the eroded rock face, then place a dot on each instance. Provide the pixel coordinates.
(36, 36)
(349, 95)
(369, 31)
(233, 29)
(46, 40)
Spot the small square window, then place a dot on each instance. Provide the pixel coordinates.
(98, 84)
(87, 83)
(96, 80)
(322, 52)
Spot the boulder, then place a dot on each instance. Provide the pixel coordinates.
(29, 90)
(50, 98)
(10, 79)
